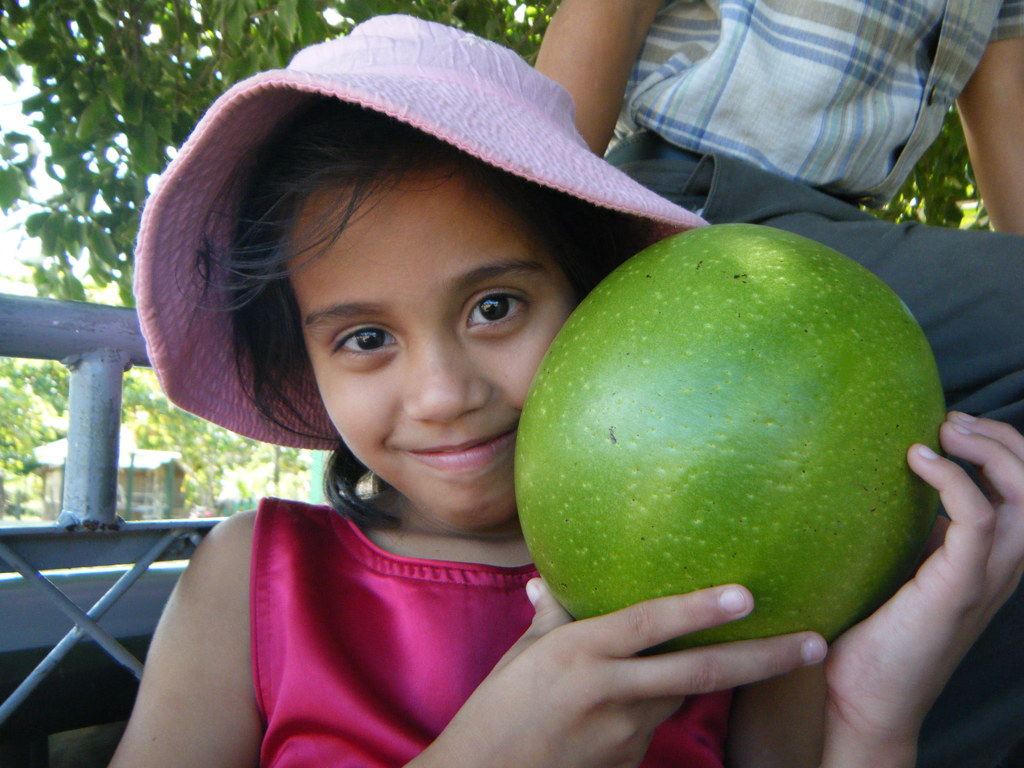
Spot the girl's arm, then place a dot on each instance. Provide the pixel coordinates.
(991, 107)
(589, 48)
(778, 723)
(196, 705)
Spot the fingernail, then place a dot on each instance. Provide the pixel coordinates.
(961, 422)
(533, 590)
(926, 453)
(813, 650)
(733, 600)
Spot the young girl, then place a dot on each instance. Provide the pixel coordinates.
(369, 252)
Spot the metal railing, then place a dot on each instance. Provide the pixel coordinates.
(97, 344)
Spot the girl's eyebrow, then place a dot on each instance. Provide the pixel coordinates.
(493, 271)
(345, 311)
(338, 312)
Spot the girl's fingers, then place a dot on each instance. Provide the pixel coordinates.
(969, 537)
(997, 430)
(997, 448)
(548, 613)
(622, 634)
(719, 667)
(629, 631)
(618, 637)
(937, 536)
(985, 540)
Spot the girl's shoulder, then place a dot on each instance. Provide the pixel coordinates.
(218, 572)
(197, 696)
(228, 544)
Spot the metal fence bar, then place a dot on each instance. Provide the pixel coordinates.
(49, 329)
(98, 344)
(72, 611)
(49, 547)
(101, 606)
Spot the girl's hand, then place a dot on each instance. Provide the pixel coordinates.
(884, 673)
(576, 694)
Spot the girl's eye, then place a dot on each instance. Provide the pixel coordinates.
(364, 340)
(492, 308)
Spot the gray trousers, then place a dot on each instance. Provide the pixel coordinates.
(966, 289)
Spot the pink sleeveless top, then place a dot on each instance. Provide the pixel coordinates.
(360, 657)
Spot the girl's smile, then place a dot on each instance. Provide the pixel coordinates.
(469, 456)
(425, 322)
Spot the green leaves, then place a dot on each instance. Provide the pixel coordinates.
(12, 187)
(33, 395)
(941, 191)
(18, 155)
(122, 82)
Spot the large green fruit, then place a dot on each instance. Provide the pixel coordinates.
(733, 404)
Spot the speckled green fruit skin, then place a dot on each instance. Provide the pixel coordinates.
(733, 404)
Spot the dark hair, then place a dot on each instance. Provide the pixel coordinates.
(329, 145)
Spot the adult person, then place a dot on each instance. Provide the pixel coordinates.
(793, 114)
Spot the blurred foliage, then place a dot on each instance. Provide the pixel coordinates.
(34, 393)
(31, 405)
(121, 83)
(941, 189)
(220, 463)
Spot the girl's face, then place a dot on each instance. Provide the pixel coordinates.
(425, 323)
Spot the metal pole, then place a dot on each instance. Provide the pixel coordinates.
(169, 489)
(94, 418)
(129, 488)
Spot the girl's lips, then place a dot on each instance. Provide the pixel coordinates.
(471, 457)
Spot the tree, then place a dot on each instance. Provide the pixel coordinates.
(212, 454)
(30, 412)
(122, 82)
(941, 188)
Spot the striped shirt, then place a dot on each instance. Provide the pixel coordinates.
(844, 95)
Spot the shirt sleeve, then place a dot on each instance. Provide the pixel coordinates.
(1010, 23)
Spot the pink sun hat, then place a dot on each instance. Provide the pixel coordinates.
(471, 93)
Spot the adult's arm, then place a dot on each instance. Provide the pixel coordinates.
(196, 705)
(589, 48)
(991, 109)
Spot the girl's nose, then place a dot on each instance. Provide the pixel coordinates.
(443, 383)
